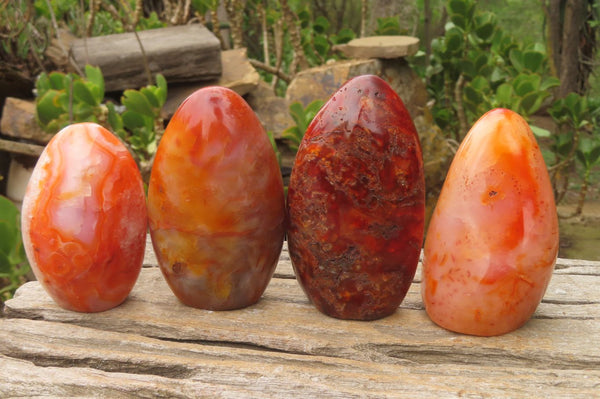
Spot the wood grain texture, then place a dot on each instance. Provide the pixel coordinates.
(180, 53)
(17, 147)
(121, 364)
(153, 346)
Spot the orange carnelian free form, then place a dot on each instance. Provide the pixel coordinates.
(215, 202)
(356, 203)
(492, 242)
(84, 219)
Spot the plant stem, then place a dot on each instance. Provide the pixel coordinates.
(460, 109)
(265, 33)
(275, 71)
(146, 63)
(216, 26)
(235, 11)
(291, 20)
(583, 192)
(94, 7)
(364, 9)
(561, 166)
(278, 40)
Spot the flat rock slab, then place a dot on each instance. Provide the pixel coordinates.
(381, 47)
(272, 110)
(180, 53)
(154, 346)
(323, 81)
(18, 121)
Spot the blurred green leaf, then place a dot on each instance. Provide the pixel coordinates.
(5, 264)
(151, 97)
(533, 60)
(457, 7)
(481, 61)
(58, 81)
(516, 57)
(132, 120)
(114, 118)
(459, 20)
(9, 229)
(472, 95)
(161, 84)
(540, 132)
(480, 83)
(81, 92)
(42, 84)
(548, 82)
(343, 36)
(485, 24)
(531, 102)
(137, 102)
(388, 26)
(94, 75)
(321, 45)
(454, 40)
(504, 94)
(321, 25)
(525, 83)
(83, 112)
(48, 107)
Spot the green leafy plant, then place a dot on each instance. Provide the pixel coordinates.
(63, 99)
(578, 140)
(23, 38)
(317, 41)
(13, 262)
(302, 116)
(477, 66)
(99, 17)
(588, 155)
(140, 122)
(389, 26)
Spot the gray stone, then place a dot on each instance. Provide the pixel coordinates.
(18, 121)
(273, 111)
(321, 82)
(180, 53)
(381, 47)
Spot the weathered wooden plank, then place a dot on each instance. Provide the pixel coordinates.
(285, 320)
(17, 147)
(577, 266)
(149, 255)
(108, 363)
(180, 53)
(21, 378)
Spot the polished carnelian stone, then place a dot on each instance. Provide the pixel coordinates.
(356, 203)
(493, 238)
(84, 219)
(215, 202)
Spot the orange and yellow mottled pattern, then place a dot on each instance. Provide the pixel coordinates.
(215, 202)
(493, 238)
